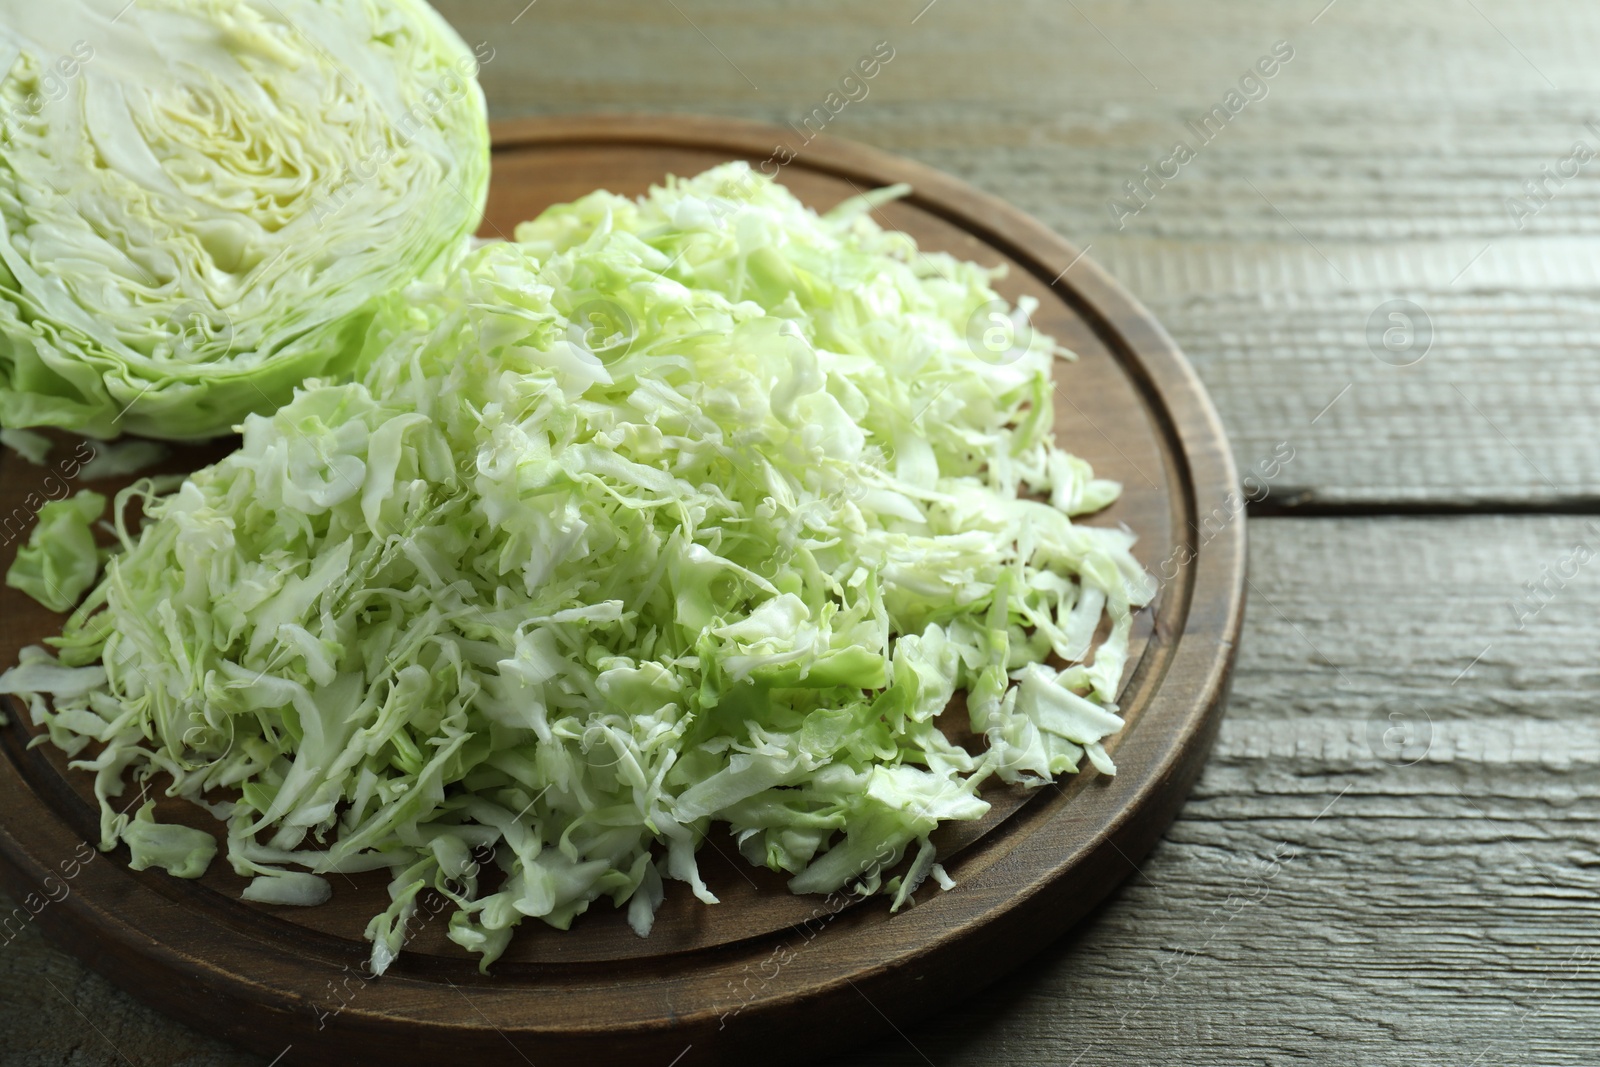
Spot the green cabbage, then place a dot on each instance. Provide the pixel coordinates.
(697, 509)
(60, 561)
(199, 199)
(116, 459)
(33, 447)
(181, 851)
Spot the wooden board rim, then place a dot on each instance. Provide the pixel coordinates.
(1030, 909)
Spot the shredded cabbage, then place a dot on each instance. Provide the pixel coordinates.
(200, 198)
(181, 851)
(33, 447)
(687, 510)
(60, 561)
(115, 459)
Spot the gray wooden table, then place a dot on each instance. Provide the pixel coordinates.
(1392, 857)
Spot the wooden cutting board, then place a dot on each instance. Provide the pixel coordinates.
(764, 973)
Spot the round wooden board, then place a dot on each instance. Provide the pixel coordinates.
(765, 973)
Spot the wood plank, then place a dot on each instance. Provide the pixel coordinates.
(1409, 930)
(1419, 914)
(1431, 912)
(1376, 168)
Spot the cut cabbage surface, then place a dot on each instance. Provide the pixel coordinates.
(690, 510)
(199, 199)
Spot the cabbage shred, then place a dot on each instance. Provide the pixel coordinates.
(687, 510)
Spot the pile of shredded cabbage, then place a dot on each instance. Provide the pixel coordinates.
(693, 509)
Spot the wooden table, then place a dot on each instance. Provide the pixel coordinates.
(1392, 856)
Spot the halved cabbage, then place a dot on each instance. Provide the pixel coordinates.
(698, 508)
(199, 199)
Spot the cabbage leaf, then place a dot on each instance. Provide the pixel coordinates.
(60, 561)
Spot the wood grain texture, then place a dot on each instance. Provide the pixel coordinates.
(1432, 912)
(719, 985)
(1419, 914)
(1377, 167)
(1408, 930)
